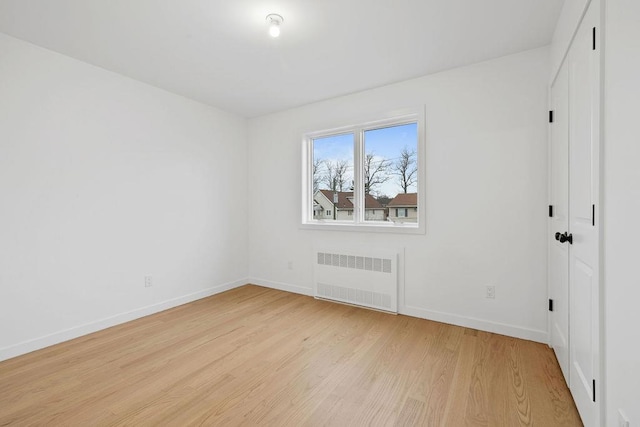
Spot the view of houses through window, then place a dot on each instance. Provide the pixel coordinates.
(389, 174)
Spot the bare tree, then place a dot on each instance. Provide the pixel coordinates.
(317, 178)
(375, 172)
(336, 175)
(406, 169)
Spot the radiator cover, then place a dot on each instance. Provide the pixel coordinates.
(366, 278)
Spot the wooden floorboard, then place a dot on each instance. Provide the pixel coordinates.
(257, 356)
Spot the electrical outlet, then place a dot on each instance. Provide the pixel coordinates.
(148, 281)
(623, 421)
(491, 291)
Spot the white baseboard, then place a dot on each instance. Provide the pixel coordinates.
(78, 331)
(88, 328)
(452, 319)
(480, 324)
(281, 286)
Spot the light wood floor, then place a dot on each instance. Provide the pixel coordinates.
(260, 356)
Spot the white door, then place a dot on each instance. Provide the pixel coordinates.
(559, 220)
(584, 146)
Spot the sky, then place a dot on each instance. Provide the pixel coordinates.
(384, 143)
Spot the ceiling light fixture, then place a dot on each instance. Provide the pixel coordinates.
(274, 20)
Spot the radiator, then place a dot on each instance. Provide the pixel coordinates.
(368, 279)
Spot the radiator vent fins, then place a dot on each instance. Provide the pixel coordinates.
(354, 296)
(381, 265)
(365, 277)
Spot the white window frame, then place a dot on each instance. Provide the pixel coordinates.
(358, 223)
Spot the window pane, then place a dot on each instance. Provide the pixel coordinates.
(391, 173)
(333, 178)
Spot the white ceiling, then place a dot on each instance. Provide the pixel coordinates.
(218, 51)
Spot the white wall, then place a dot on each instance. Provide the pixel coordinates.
(486, 194)
(622, 209)
(104, 180)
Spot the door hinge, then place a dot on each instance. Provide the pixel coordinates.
(550, 211)
(594, 389)
(593, 35)
(550, 305)
(550, 116)
(593, 215)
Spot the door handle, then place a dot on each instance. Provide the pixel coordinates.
(564, 237)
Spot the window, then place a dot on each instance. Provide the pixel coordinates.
(361, 170)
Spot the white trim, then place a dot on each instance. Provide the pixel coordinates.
(88, 328)
(536, 335)
(369, 226)
(302, 290)
(98, 325)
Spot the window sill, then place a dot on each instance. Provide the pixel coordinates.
(384, 227)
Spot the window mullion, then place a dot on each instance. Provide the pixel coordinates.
(358, 190)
